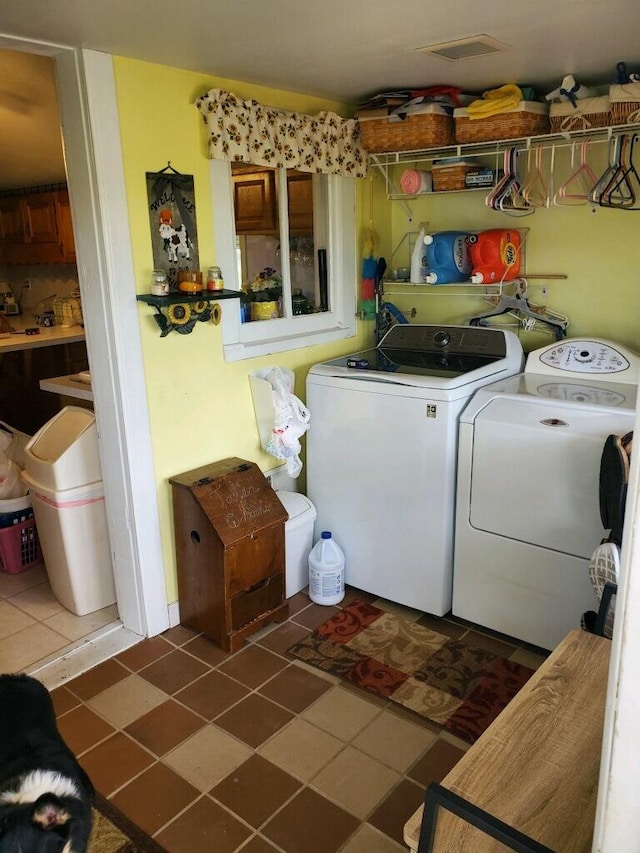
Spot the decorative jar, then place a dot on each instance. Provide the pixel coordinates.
(264, 310)
(159, 283)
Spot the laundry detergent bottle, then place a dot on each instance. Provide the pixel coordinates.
(326, 571)
(495, 255)
(448, 257)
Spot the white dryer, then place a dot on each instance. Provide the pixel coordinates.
(527, 509)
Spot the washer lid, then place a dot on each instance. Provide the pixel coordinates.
(432, 356)
(528, 388)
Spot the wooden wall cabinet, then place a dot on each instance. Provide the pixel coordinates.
(11, 221)
(254, 200)
(23, 404)
(230, 549)
(300, 192)
(35, 228)
(66, 241)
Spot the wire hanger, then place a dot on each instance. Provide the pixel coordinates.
(169, 168)
(520, 304)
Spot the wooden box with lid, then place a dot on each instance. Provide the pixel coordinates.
(230, 549)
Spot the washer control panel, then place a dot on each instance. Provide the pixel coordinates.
(586, 357)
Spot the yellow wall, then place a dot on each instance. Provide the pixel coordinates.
(200, 407)
(597, 248)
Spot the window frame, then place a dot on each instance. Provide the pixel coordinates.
(248, 340)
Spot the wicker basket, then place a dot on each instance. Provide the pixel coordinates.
(589, 113)
(529, 118)
(450, 176)
(625, 103)
(431, 128)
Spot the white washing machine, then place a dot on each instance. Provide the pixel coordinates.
(528, 512)
(381, 453)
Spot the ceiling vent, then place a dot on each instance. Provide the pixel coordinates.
(467, 48)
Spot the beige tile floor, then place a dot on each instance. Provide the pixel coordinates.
(252, 752)
(34, 626)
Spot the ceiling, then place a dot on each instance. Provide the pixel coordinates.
(343, 50)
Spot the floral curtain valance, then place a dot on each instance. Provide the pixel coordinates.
(252, 133)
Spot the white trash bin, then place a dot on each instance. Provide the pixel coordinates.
(63, 453)
(298, 534)
(64, 477)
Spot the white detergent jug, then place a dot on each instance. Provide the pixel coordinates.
(326, 571)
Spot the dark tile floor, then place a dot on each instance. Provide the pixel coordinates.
(256, 752)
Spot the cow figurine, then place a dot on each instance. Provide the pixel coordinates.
(176, 241)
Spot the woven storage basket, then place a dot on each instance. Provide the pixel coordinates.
(529, 118)
(589, 113)
(450, 176)
(625, 103)
(431, 128)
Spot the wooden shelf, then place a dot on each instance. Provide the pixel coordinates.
(181, 311)
(179, 298)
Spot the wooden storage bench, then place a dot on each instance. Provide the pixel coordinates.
(535, 769)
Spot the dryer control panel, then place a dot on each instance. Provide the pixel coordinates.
(586, 357)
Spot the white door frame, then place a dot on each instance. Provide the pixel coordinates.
(93, 157)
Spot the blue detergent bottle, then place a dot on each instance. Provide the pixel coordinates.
(448, 257)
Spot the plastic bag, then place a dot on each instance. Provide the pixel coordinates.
(291, 420)
(13, 443)
(11, 482)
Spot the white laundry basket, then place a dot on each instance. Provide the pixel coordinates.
(64, 477)
(298, 533)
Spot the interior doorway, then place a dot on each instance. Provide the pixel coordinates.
(93, 156)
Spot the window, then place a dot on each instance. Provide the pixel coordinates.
(297, 224)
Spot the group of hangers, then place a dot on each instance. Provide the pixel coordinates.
(527, 314)
(618, 187)
(507, 196)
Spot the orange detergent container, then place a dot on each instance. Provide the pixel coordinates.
(495, 255)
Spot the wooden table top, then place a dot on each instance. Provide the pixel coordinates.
(536, 767)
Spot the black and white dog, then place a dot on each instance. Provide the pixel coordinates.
(45, 796)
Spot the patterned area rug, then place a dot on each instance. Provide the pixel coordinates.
(114, 833)
(460, 687)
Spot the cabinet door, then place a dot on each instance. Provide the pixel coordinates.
(65, 228)
(300, 198)
(12, 230)
(39, 211)
(254, 199)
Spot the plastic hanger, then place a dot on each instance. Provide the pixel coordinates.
(612, 166)
(520, 304)
(624, 185)
(578, 186)
(616, 186)
(507, 195)
(535, 190)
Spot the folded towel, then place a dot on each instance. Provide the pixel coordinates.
(495, 101)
